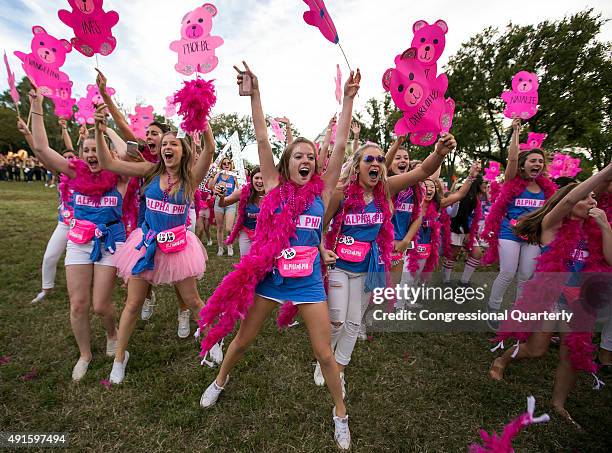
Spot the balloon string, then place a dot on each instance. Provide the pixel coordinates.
(97, 61)
(345, 59)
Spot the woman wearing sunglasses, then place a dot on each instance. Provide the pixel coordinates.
(360, 242)
(223, 185)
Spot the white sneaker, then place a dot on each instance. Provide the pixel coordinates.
(220, 251)
(362, 334)
(111, 347)
(342, 435)
(147, 308)
(211, 394)
(318, 376)
(230, 250)
(216, 353)
(118, 372)
(39, 297)
(343, 384)
(183, 323)
(209, 242)
(79, 370)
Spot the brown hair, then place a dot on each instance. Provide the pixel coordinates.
(252, 173)
(185, 177)
(283, 163)
(525, 154)
(530, 224)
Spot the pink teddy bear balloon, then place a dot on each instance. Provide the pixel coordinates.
(43, 63)
(426, 112)
(85, 114)
(534, 140)
(63, 101)
(492, 171)
(522, 101)
(92, 26)
(170, 108)
(429, 41)
(140, 120)
(93, 94)
(196, 48)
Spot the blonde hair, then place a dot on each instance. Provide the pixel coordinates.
(351, 170)
(283, 163)
(184, 175)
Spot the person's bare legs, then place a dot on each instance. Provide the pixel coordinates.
(536, 346)
(78, 281)
(220, 220)
(565, 379)
(137, 289)
(102, 298)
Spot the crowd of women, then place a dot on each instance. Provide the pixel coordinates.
(317, 232)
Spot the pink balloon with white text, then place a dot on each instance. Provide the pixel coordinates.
(426, 113)
(196, 47)
(42, 65)
(92, 26)
(522, 101)
(429, 42)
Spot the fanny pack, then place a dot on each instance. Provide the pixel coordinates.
(348, 249)
(172, 240)
(423, 251)
(297, 261)
(250, 233)
(82, 231)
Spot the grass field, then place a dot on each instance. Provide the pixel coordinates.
(407, 392)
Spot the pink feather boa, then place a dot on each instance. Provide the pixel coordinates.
(473, 234)
(543, 291)
(495, 187)
(446, 235)
(196, 99)
(93, 185)
(245, 193)
(235, 294)
(509, 191)
(432, 215)
(64, 190)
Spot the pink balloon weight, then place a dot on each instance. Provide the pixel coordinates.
(196, 48)
(42, 65)
(426, 113)
(522, 101)
(429, 42)
(91, 25)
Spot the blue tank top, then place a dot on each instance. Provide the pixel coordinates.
(526, 202)
(425, 232)
(300, 289)
(251, 212)
(402, 217)
(105, 212)
(160, 215)
(229, 183)
(363, 227)
(574, 264)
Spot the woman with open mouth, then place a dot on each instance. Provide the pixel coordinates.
(249, 200)
(96, 233)
(224, 183)
(360, 243)
(526, 188)
(576, 242)
(162, 250)
(283, 264)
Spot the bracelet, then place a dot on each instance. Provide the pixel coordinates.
(36, 113)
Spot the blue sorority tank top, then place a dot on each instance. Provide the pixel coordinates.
(425, 232)
(105, 211)
(363, 227)
(160, 215)
(300, 289)
(62, 206)
(251, 212)
(526, 202)
(229, 183)
(402, 217)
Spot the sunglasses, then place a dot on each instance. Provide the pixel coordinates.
(368, 159)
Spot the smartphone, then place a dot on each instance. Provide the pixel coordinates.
(246, 87)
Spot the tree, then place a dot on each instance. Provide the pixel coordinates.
(224, 125)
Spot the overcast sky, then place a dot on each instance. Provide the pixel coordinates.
(296, 66)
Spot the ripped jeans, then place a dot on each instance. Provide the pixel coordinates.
(347, 304)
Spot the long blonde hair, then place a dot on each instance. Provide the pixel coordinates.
(184, 175)
(351, 170)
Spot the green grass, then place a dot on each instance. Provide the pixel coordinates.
(407, 392)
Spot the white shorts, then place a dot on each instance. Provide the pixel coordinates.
(79, 254)
(458, 239)
(205, 212)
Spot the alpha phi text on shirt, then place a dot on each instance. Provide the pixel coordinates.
(529, 202)
(366, 218)
(84, 200)
(167, 208)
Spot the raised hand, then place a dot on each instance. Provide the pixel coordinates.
(475, 169)
(446, 143)
(100, 118)
(351, 86)
(101, 81)
(254, 82)
(355, 128)
(516, 125)
(23, 127)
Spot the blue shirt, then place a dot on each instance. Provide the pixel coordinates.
(250, 216)
(160, 215)
(363, 227)
(402, 217)
(526, 202)
(229, 183)
(105, 211)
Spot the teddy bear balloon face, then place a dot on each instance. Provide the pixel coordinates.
(196, 48)
(522, 101)
(426, 112)
(429, 42)
(534, 140)
(43, 63)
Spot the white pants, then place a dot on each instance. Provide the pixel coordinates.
(513, 256)
(192, 220)
(347, 304)
(244, 243)
(53, 252)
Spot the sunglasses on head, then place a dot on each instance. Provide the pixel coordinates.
(368, 159)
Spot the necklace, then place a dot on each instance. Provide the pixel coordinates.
(168, 189)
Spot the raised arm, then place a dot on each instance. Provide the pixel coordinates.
(118, 143)
(50, 159)
(513, 151)
(65, 134)
(203, 163)
(105, 158)
(228, 201)
(356, 130)
(266, 160)
(393, 150)
(464, 189)
(212, 182)
(332, 174)
(446, 143)
(118, 117)
(556, 215)
(27, 135)
(326, 141)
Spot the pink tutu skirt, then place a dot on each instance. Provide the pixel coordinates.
(169, 267)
